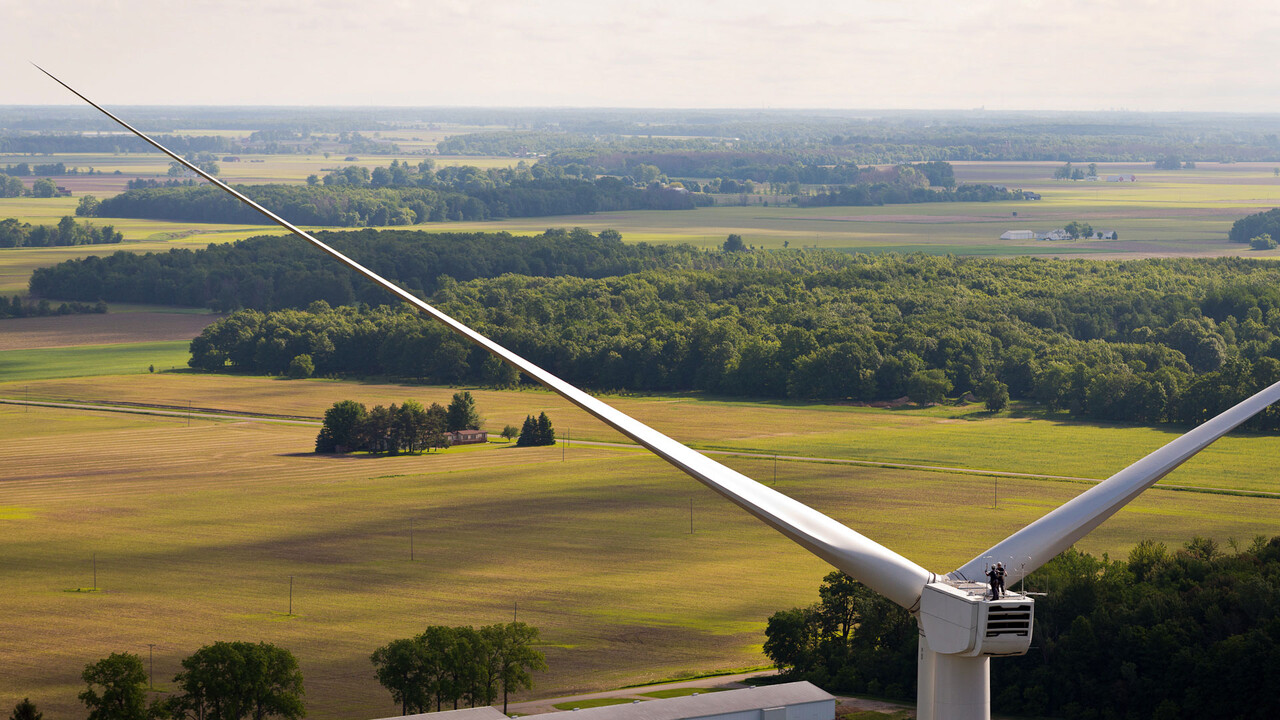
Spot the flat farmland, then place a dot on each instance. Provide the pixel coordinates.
(957, 437)
(1183, 213)
(197, 529)
(94, 329)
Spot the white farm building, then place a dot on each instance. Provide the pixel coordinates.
(788, 701)
(1018, 235)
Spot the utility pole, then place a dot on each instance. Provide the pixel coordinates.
(690, 516)
(188, 413)
(515, 610)
(775, 469)
(151, 662)
(995, 491)
(291, 595)
(95, 571)
(410, 539)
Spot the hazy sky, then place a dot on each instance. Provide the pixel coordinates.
(998, 54)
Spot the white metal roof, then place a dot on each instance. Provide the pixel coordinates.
(696, 706)
(476, 713)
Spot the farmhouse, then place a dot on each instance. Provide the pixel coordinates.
(1122, 178)
(1028, 195)
(467, 437)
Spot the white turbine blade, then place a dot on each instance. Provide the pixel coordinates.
(1037, 543)
(881, 569)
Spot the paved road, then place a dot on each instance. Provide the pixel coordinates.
(221, 415)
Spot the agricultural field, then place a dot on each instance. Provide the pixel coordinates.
(1183, 213)
(194, 529)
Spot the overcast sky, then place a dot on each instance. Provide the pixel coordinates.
(955, 54)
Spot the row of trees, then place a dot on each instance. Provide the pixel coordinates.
(16, 307)
(14, 233)
(12, 187)
(1145, 341)
(893, 194)
(349, 427)
(357, 204)
(222, 681)
(1164, 634)
(458, 665)
(268, 273)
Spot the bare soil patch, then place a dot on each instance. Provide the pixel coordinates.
(109, 329)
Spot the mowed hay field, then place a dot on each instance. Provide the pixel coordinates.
(956, 437)
(197, 528)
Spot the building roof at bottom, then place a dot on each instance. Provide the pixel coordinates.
(476, 713)
(703, 705)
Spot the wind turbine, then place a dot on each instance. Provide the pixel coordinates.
(961, 628)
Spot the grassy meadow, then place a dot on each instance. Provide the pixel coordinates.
(197, 528)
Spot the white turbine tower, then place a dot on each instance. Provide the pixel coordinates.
(961, 628)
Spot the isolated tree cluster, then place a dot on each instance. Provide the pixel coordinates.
(350, 427)
(458, 665)
(1164, 634)
(536, 431)
(222, 681)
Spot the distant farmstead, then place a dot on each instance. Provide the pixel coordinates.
(1122, 178)
(467, 437)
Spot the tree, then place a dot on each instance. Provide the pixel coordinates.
(1262, 242)
(403, 669)
(342, 427)
(462, 413)
(528, 432)
(517, 659)
(546, 433)
(88, 206)
(928, 386)
(26, 710)
(734, 244)
(117, 688)
(301, 367)
(996, 395)
(44, 188)
(510, 432)
(240, 680)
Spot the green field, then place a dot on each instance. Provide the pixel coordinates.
(65, 362)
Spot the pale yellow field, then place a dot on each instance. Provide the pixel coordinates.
(197, 529)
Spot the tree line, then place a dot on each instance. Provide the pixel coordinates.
(350, 427)
(894, 194)
(357, 205)
(14, 233)
(1149, 341)
(16, 307)
(225, 680)
(1263, 223)
(1164, 634)
(271, 272)
(458, 665)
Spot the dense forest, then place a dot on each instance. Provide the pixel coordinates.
(1166, 634)
(1147, 341)
(271, 272)
(351, 205)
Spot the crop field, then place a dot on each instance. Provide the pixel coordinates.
(1183, 213)
(196, 530)
(955, 437)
